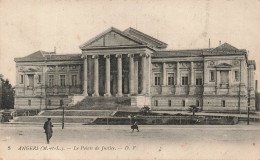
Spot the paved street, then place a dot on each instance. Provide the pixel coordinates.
(118, 142)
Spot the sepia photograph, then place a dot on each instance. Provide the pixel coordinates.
(129, 79)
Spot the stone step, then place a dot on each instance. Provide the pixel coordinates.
(103, 103)
(77, 113)
(54, 119)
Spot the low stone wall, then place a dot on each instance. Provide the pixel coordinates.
(168, 120)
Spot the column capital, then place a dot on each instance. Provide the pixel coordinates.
(118, 55)
(144, 55)
(107, 56)
(84, 56)
(130, 55)
(94, 56)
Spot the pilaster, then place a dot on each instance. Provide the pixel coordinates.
(178, 78)
(192, 81)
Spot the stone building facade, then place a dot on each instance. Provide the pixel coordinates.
(1, 92)
(131, 63)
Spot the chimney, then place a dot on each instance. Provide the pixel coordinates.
(209, 43)
(219, 42)
(55, 50)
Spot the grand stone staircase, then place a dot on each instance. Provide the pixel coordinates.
(103, 103)
(70, 116)
(84, 112)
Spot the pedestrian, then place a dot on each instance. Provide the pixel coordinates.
(48, 129)
(135, 126)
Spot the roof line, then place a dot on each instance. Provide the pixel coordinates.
(107, 31)
(145, 35)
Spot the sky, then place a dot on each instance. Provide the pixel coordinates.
(27, 26)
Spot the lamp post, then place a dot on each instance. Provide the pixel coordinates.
(248, 110)
(61, 104)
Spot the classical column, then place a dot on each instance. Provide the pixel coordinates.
(149, 75)
(131, 73)
(96, 85)
(85, 89)
(136, 71)
(143, 74)
(164, 74)
(119, 75)
(108, 93)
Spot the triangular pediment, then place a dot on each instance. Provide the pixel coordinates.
(223, 65)
(146, 38)
(111, 38)
(226, 47)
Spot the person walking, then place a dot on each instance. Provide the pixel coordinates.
(48, 129)
(135, 126)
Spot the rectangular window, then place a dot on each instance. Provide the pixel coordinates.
(49, 102)
(31, 80)
(184, 80)
(198, 81)
(39, 78)
(212, 76)
(183, 103)
(62, 80)
(224, 78)
(21, 79)
(223, 103)
(169, 103)
(157, 79)
(236, 76)
(197, 103)
(29, 102)
(198, 78)
(170, 78)
(51, 80)
(61, 102)
(74, 80)
(155, 102)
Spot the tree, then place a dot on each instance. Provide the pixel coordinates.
(193, 109)
(7, 94)
(145, 110)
